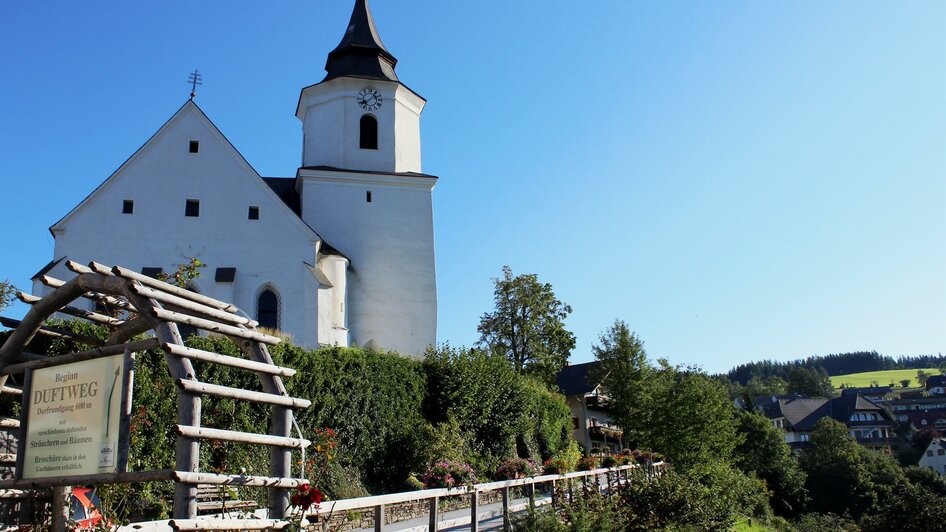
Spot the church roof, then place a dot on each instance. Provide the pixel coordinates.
(285, 188)
(361, 53)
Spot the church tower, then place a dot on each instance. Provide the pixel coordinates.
(362, 188)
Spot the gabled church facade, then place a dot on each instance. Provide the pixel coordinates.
(340, 254)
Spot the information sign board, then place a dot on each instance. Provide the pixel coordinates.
(73, 419)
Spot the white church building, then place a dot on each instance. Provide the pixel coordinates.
(340, 254)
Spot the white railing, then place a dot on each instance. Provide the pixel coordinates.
(378, 503)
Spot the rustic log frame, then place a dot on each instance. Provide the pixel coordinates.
(152, 305)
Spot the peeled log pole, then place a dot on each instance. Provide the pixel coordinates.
(54, 332)
(226, 360)
(52, 282)
(243, 437)
(187, 450)
(171, 289)
(280, 425)
(81, 480)
(112, 350)
(197, 387)
(214, 326)
(239, 480)
(191, 306)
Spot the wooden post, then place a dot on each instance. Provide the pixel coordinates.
(280, 425)
(434, 522)
(531, 492)
(187, 450)
(124, 427)
(474, 511)
(554, 495)
(62, 498)
(506, 523)
(379, 518)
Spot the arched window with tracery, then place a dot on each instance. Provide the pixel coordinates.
(267, 308)
(369, 132)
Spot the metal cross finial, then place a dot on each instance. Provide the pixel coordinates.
(194, 80)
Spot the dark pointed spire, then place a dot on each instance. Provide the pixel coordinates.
(361, 53)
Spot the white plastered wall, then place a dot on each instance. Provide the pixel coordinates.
(159, 178)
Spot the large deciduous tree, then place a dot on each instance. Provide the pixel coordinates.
(528, 326)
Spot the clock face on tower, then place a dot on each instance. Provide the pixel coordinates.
(370, 99)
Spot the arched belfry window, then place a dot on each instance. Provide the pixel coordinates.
(267, 308)
(369, 132)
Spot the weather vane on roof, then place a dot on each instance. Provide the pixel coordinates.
(194, 80)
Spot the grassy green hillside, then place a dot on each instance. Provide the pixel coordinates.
(883, 378)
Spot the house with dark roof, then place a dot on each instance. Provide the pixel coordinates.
(188, 193)
(903, 406)
(934, 457)
(592, 425)
(873, 393)
(867, 422)
(927, 419)
(936, 385)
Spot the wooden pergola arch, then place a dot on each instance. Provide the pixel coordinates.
(153, 305)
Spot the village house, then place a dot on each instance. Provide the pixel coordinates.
(592, 425)
(936, 385)
(867, 422)
(902, 407)
(927, 419)
(935, 456)
(872, 393)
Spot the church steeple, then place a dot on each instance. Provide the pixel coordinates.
(361, 53)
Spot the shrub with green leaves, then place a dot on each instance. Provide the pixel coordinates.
(504, 413)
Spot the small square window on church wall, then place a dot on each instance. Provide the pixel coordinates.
(128, 206)
(192, 208)
(254, 213)
(195, 146)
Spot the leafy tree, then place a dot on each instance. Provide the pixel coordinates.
(625, 374)
(922, 376)
(927, 479)
(810, 382)
(773, 385)
(910, 507)
(502, 411)
(690, 418)
(845, 478)
(7, 294)
(527, 326)
(905, 383)
(763, 451)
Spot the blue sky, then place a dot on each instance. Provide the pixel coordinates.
(735, 180)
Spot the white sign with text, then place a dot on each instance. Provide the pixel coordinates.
(73, 419)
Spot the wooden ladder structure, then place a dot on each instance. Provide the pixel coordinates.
(152, 305)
